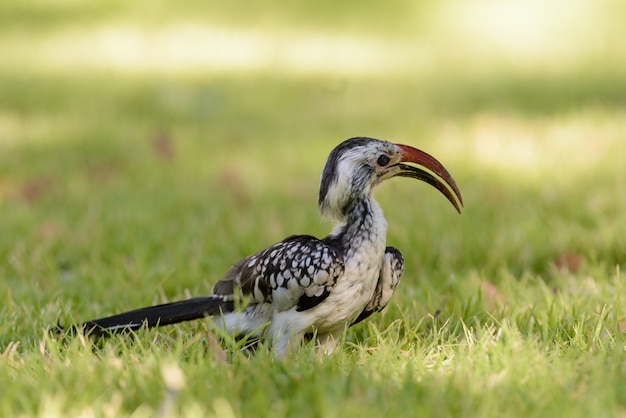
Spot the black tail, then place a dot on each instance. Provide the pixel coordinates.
(165, 314)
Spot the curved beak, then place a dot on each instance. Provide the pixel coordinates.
(428, 170)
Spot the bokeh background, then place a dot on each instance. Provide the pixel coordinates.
(147, 145)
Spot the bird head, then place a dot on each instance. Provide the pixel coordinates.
(356, 165)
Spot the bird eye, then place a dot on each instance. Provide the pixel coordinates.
(383, 160)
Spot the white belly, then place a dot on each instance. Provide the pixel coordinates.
(351, 294)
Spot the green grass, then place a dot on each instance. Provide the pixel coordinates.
(123, 187)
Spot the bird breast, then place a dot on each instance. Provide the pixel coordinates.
(365, 248)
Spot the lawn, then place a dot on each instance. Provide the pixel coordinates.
(145, 147)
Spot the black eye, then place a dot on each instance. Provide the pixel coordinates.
(382, 160)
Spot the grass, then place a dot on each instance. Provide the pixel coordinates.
(124, 187)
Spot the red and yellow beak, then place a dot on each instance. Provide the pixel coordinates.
(429, 170)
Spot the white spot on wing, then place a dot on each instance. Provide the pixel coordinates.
(320, 277)
(258, 295)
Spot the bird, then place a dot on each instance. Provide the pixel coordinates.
(302, 286)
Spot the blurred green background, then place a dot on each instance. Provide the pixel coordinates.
(145, 146)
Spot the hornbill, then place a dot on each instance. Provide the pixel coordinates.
(309, 286)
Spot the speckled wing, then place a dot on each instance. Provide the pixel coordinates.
(299, 271)
(390, 275)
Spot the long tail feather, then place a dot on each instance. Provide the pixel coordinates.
(165, 314)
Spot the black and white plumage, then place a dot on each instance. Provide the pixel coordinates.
(304, 285)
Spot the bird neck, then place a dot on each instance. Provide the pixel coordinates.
(365, 226)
